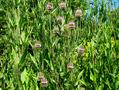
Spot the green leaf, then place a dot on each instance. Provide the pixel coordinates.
(62, 74)
(55, 42)
(99, 88)
(34, 61)
(76, 83)
(83, 82)
(117, 84)
(51, 66)
(80, 74)
(108, 84)
(92, 77)
(22, 60)
(23, 36)
(24, 76)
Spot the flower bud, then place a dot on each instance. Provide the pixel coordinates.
(49, 6)
(78, 13)
(70, 66)
(71, 25)
(62, 5)
(81, 50)
(40, 77)
(44, 82)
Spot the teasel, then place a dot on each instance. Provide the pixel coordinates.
(71, 25)
(40, 76)
(70, 66)
(78, 13)
(44, 82)
(60, 19)
(49, 6)
(62, 5)
(80, 50)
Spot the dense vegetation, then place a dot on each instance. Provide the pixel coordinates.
(57, 46)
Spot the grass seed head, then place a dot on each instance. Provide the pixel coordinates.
(71, 25)
(62, 5)
(78, 13)
(49, 6)
(44, 82)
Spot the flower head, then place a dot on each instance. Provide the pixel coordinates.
(62, 5)
(40, 76)
(44, 82)
(78, 13)
(49, 6)
(81, 50)
(71, 25)
(70, 66)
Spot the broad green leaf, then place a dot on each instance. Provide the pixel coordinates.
(24, 76)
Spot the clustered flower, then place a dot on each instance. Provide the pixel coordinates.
(80, 50)
(71, 25)
(62, 5)
(43, 80)
(49, 6)
(40, 77)
(78, 13)
(60, 19)
(70, 66)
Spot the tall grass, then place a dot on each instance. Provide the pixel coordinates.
(38, 52)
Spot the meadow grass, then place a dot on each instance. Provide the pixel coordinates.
(47, 46)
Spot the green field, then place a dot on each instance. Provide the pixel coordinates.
(58, 45)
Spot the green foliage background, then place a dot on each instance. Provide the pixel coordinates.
(23, 22)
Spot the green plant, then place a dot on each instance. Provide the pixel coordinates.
(35, 40)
